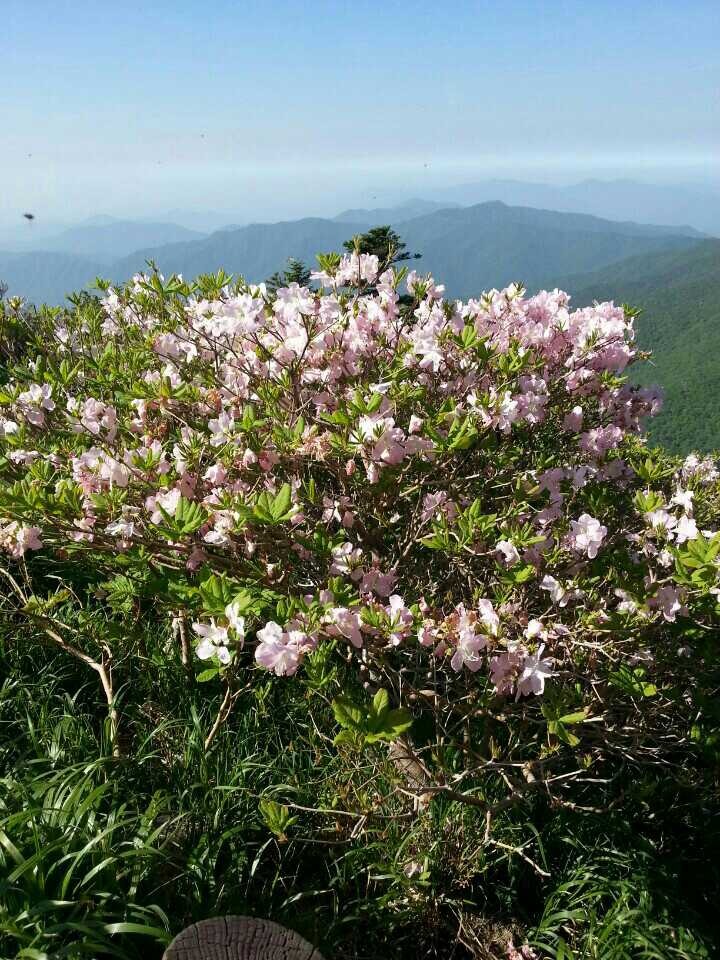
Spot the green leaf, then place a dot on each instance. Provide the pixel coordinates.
(244, 602)
(216, 593)
(381, 703)
(348, 714)
(276, 817)
(352, 737)
(393, 724)
(578, 717)
(563, 734)
(281, 504)
(398, 721)
(141, 929)
(189, 516)
(206, 675)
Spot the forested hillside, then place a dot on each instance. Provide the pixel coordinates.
(679, 293)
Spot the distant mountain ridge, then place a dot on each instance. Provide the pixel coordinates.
(469, 248)
(107, 239)
(688, 208)
(400, 213)
(255, 251)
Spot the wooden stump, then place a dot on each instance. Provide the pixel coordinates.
(239, 938)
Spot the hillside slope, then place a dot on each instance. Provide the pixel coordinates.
(679, 293)
(255, 251)
(492, 244)
(47, 277)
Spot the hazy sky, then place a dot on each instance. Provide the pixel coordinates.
(277, 109)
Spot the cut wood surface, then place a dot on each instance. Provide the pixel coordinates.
(239, 938)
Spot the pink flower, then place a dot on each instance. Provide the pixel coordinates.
(503, 670)
(573, 420)
(17, 538)
(216, 474)
(346, 623)
(469, 642)
(558, 593)
(276, 651)
(601, 439)
(34, 402)
(427, 634)
(401, 619)
(667, 600)
(268, 459)
(375, 581)
(347, 561)
(534, 672)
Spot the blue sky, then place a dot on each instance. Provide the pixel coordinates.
(282, 108)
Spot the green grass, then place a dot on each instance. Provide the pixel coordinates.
(103, 857)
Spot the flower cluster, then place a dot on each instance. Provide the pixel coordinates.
(460, 488)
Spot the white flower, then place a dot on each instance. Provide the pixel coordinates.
(535, 629)
(222, 428)
(661, 521)
(213, 643)
(469, 645)
(587, 535)
(509, 551)
(168, 500)
(237, 623)
(121, 528)
(558, 593)
(684, 499)
(275, 651)
(488, 617)
(686, 530)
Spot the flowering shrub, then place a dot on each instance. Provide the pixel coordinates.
(454, 496)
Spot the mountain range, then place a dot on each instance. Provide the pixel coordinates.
(470, 248)
(677, 206)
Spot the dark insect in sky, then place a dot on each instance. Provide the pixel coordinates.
(29, 216)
